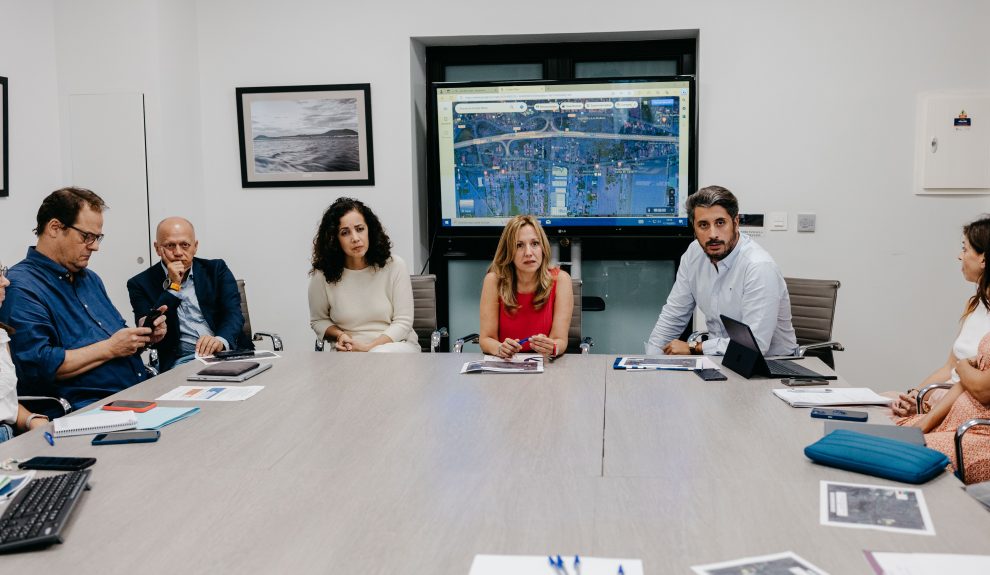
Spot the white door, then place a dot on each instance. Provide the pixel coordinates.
(108, 156)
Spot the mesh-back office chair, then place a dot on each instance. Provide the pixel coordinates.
(812, 314)
(424, 289)
(574, 339)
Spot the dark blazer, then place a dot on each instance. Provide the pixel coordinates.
(219, 300)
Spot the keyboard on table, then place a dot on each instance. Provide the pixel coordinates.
(785, 368)
(38, 512)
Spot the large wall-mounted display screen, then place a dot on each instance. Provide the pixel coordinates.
(583, 156)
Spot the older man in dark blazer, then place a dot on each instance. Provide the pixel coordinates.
(204, 305)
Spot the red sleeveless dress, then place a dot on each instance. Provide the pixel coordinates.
(526, 321)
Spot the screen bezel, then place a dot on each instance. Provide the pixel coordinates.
(434, 184)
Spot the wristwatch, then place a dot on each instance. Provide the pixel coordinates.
(27, 422)
(696, 348)
(174, 286)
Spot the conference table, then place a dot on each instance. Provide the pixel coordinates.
(391, 463)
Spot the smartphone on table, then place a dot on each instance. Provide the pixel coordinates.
(130, 405)
(843, 414)
(130, 436)
(710, 374)
(52, 463)
(803, 381)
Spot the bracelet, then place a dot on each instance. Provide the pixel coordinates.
(555, 349)
(27, 422)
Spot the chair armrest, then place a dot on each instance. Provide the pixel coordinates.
(924, 391)
(802, 349)
(960, 431)
(435, 338)
(276, 340)
(470, 338)
(37, 400)
(585, 345)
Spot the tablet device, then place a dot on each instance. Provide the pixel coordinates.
(231, 371)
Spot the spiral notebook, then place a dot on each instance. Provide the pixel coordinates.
(95, 422)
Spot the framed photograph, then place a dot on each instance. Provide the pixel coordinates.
(305, 136)
(4, 178)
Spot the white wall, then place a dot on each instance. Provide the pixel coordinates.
(27, 59)
(803, 107)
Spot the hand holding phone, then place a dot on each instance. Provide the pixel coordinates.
(845, 415)
(149, 319)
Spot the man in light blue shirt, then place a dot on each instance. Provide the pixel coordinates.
(724, 272)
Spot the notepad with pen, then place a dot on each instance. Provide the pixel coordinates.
(95, 422)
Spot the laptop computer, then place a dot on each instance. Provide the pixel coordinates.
(744, 357)
(230, 371)
(912, 435)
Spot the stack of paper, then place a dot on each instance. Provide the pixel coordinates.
(806, 397)
(520, 363)
(159, 417)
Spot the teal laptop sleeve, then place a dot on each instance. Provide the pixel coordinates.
(879, 456)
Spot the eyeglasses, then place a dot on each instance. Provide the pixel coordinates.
(172, 245)
(88, 238)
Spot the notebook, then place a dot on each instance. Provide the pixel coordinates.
(93, 422)
(744, 357)
(230, 371)
(159, 417)
(911, 435)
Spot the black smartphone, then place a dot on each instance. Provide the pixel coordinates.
(149, 319)
(842, 414)
(131, 436)
(802, 381)
(58, 463)
(710, 374)
(234, 354)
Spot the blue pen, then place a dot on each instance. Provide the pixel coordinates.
(577, 565)
(49, 439)
(553, 564)
(524, 340)
(621, 572)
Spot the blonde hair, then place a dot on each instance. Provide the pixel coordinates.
(505, 270)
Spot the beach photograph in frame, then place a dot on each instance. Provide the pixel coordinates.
(4, 179)
(305, 136)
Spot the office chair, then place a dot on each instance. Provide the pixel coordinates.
(424, 289)
(255, 336)
(812, 314)
(574, 339)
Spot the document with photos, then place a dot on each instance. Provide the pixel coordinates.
(211, 393)
(787, 563)
(677, 363)
(896, 509)
(815, 397)
(926, 563)
(519, 363)
(540, 565)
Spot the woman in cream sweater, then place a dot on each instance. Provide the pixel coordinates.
(359, 294)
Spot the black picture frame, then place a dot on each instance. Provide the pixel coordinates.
(4, 159)
(305, 136)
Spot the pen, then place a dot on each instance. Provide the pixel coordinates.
(49, 439)
(524, 340)
(577, 565)
(553, 564)
(621, 572)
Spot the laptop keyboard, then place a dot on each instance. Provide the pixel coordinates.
(37, 514)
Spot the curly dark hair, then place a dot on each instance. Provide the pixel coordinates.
(328, 257)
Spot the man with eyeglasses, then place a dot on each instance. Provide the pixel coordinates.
(204, 305)
(71, 341)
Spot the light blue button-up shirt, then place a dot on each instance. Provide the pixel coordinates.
(192, 322)
(746, 285)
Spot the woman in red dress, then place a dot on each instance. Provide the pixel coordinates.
(526, 305)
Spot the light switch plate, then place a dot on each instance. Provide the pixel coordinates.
(778, 221)
(806, 222)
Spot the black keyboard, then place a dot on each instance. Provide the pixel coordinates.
(38, 512)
